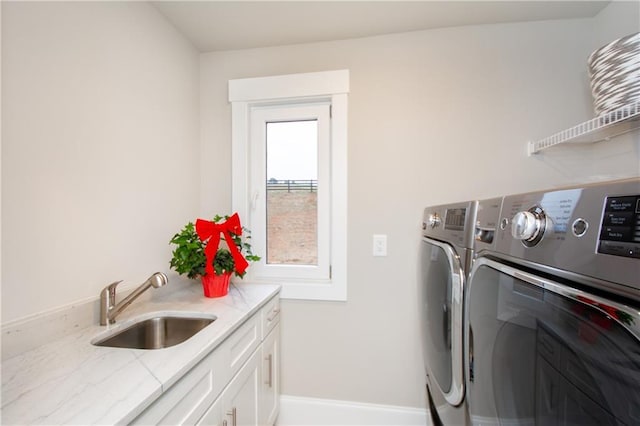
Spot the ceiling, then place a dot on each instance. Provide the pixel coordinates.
(229, 25)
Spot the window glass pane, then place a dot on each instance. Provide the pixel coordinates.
(292, 196)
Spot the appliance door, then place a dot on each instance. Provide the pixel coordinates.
(543, 352)
(441, 312)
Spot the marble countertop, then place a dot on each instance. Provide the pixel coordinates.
(71, 381)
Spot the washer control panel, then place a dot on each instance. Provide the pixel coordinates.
(620, 228)
(452, 223)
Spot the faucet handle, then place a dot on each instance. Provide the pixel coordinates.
(107, 301)
(113, 284)
(109, 292)
(112, 287)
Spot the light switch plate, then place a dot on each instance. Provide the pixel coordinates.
(379, 245)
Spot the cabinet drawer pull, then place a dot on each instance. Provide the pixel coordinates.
(274, 313)
(269, 381)
(233, 413)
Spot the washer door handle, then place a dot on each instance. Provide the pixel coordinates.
(446, 333)
(471, 360)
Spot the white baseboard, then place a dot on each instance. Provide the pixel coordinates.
(301, 411)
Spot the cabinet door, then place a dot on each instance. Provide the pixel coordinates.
(238, 403)
(270, 385)
(213, 416)
(240, 399)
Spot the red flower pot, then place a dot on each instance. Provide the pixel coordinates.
(216, 285)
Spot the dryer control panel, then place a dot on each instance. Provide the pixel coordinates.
(591, 231)
(620, 228)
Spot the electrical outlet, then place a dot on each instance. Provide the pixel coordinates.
(379, 245)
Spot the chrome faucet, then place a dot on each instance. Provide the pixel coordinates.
(109, 310)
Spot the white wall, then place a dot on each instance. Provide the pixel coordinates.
(99, 148)
(434, 116)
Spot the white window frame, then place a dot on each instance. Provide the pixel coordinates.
(254, 94)
(260, 117)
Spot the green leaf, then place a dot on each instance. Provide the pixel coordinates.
(188, 257)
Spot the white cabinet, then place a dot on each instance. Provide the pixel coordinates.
(253, 395)
(270, 384)
(238, 383)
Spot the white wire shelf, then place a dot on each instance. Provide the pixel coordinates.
(604, 127)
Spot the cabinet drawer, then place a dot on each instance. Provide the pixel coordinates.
(186, 401)
(270, 315)
(240, 345)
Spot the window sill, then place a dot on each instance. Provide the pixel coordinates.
(305, 290)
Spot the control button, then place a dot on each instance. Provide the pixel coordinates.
(580, 227)
(529, 226)
(619, 249)
(525, 226)
(621, 204)
(615, 233)
(619, 219)
(608, 247)
(434, 220)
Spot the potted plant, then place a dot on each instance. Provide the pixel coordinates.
(199, 254)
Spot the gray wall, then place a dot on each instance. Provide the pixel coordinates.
(434, 116)
(102, 160)
(99, 148)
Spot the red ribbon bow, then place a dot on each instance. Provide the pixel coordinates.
(211, 231)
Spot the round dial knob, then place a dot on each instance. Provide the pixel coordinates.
(434, 220)
(525, 226)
